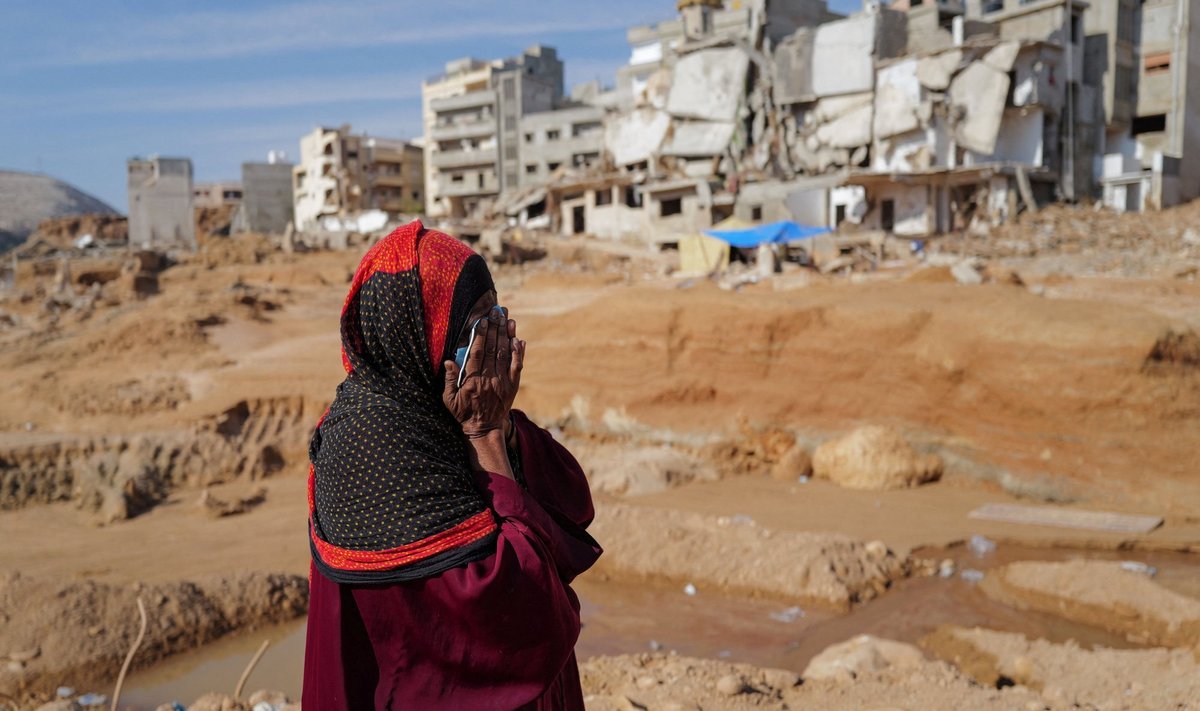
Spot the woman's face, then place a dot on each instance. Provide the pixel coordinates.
(482, 307)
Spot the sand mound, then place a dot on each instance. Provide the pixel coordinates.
(875, 458)
(1101, 594)
(78, 633)
(660, 681)
(1070, 676)
(825, 569)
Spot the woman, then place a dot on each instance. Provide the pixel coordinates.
(445, 527)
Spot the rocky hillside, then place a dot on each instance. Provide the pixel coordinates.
(27, 199)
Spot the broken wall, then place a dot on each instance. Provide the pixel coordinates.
(636, 136)
(843, 56)
(267, 206)
(912, 212)
(160, 203)
(709, 84)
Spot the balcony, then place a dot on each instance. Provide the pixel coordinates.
(478, 128)
(470, 185)
(462, 102)
(443, 160)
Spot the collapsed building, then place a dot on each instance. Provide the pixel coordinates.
(343, 175)
(912, 119)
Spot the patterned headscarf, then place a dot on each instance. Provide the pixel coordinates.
(391, 495)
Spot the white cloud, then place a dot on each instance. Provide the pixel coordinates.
(269, 94)
(317, 26)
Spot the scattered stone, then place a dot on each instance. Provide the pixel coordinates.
(216, 508)
(271, 697)
(795, 464)
(217, 702)
(730, 685)
(1069, 675)
(967, 272)
(875, 458)
(864, 653)
(60, 705)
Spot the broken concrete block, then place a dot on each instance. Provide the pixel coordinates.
(849, 46)
(709, 84)
(980, 91)
(860, 655)
(935, 72)
(635, 137)
(1003, 56)
(698, 138)
(894, 113)
(837, 106)
(850, 130)
(898, 99)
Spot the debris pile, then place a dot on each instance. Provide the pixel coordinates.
(875, 458)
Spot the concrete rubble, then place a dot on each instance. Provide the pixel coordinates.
(925, 121)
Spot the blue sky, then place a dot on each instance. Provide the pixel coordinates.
(86, 85)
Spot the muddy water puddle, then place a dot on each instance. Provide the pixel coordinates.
(622, 618)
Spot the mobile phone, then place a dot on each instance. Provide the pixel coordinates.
(460, 355)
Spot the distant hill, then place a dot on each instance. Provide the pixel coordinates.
(27, 198)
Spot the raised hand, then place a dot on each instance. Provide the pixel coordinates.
(491, 379)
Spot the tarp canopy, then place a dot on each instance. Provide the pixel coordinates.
(773, 233)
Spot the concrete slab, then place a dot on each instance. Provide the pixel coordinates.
(980, 90)
(709, 84)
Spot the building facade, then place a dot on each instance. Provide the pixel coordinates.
(216, 194)
(473, 135)
(267, 199)
(160, 203)
(572, 137)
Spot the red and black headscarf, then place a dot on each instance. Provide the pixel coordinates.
(391, 495)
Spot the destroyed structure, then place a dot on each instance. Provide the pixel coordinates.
(342, 175)
(912, 119)
(160, 203)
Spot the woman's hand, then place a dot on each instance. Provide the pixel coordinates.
(492, 378)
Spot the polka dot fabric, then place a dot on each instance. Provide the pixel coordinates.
(391, 494)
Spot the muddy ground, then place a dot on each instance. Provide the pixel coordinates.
(158, 415)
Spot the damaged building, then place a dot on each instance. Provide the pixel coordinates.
(914, 118)
(473, 134)
(342, 174)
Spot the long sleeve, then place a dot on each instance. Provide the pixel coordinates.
(554, 477)
(498, 633)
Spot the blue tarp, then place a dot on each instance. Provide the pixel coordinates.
(774, 233)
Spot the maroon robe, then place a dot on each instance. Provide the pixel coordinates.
(498, 633)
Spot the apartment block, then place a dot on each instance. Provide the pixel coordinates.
(571, 137)
(473, 134)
